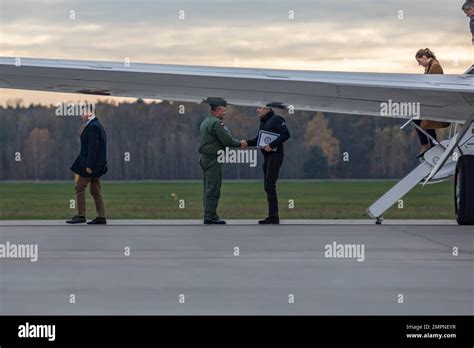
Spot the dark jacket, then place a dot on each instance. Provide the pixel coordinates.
(93, 153)
(275, 124)
(471, 23)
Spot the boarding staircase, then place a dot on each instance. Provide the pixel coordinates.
(430, 170)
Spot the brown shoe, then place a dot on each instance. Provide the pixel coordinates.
(424, 148)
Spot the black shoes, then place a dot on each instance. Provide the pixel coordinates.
(77, 219)
(214, 222)
(267, 221)
(270, 221)
(98, 221)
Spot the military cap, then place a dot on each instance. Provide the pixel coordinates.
(213, 102)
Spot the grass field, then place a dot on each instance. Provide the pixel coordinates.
(239, 200)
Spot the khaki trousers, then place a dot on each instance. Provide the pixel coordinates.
(81, 185)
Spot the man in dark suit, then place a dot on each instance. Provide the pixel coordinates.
(273, 155)
(90, 165)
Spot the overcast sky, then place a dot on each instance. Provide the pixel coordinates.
(338, 35)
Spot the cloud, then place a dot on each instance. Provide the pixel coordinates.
(366, 35)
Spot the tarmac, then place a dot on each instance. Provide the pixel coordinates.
(182, 267)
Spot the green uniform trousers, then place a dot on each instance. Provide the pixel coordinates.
(212, 181)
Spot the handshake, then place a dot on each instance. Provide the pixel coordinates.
(244, 145)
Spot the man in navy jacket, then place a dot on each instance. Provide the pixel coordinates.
(273, 155)
(90, 165)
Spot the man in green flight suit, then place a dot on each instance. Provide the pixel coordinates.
(214, 136)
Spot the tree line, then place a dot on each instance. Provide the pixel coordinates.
(159, 141)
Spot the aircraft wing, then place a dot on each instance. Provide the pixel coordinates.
(441, 97)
